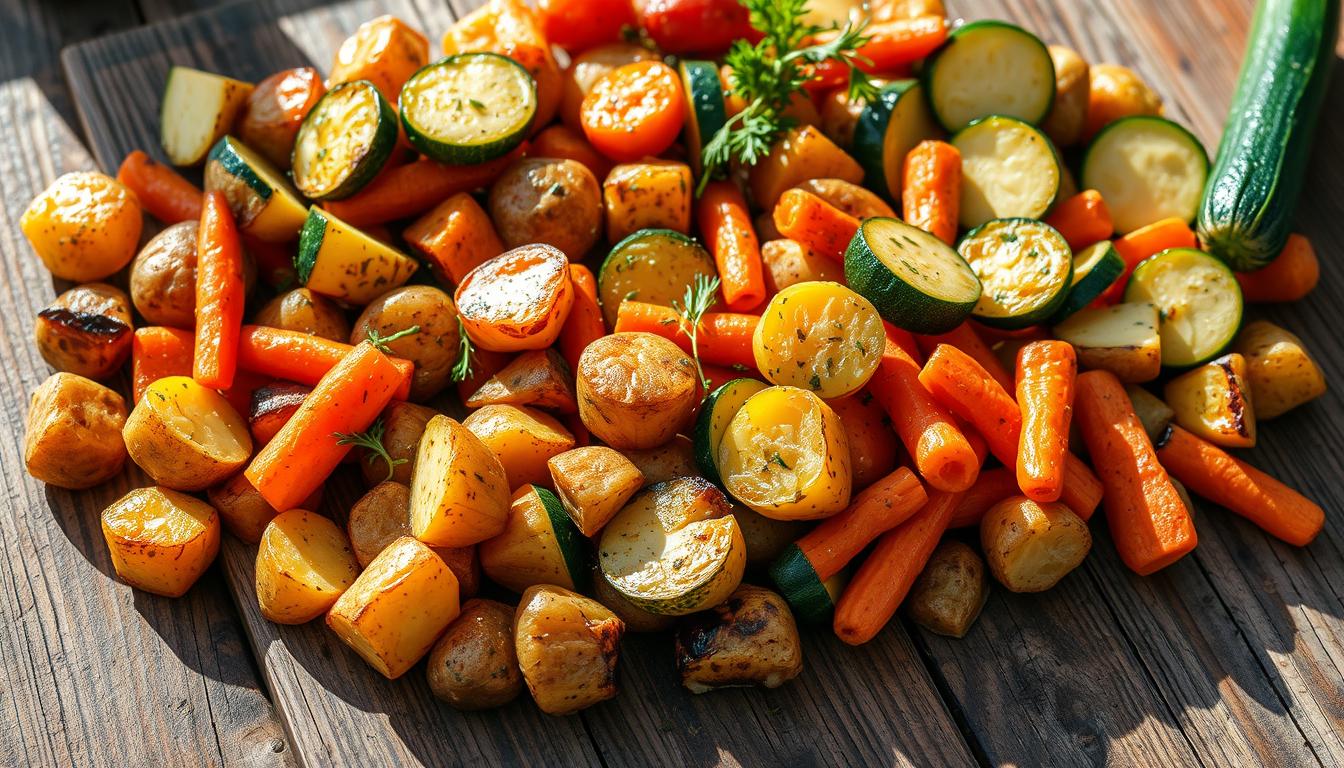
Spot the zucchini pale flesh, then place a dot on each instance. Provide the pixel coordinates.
(1247, 210)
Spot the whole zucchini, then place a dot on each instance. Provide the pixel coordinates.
(1247, 211)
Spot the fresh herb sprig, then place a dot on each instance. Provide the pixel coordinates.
(768, 74)
(465, 352)
(700, 295)
(381, 342)
(371, 441)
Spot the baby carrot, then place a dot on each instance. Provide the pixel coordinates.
(931, 190)
(297, 461)
(1082, 219)
(158, 352)
(301, 357)
(1142, 243)
(407, 190)
(584, 324)
(565, 142)
(903, 339)
(816, 224)
(162, 192)
(724, 337)
(939, 450)
(1210, 472)
(725, 225)
(1289, 277)
(965, 388)
(1045, 377)
(991, 487)
(1147, 518)
(965, 338)
(881, 583)
(220, 294)
(454, 238)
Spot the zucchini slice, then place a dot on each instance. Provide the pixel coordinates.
(813, 600)
(652, 265)
(887, 129)
(990, 68)
(339, 261)
(468, 108)
(715, 414)
(1146, 168)
(916, 281)
(539, 545)
(344, 141)
(198, 108)
(1026, 268)
(819, 336)
(1198, 300)
(260, 198)
(705, 109)
(1009, 169)
(1095, 268)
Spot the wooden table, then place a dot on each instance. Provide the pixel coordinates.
(1231, 657)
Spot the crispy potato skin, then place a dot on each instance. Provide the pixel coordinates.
(749, 639)
(86, 330)
(548, 200)
(275, 110)
(789, 263)
(73, 434)
(539, 378)
(951, 590)
(655, 193)
(84, 227)
(567, 647)
(433, 348)
(475, 665)
(244, 511)
(161, 541)
(304, 563)
(636, 390)
(1068, 117)
(673, 459)
(306, 312)
(385, 51)
(1031, 546)
(1115, 92)
(403, 424)
(850, 198)
(524, 439)
(156, 440)
(1281, 372)
(163, 277)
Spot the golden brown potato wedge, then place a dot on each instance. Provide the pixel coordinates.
(160, 540)
(163, 277)
(567, 647)
(244, 511)
(749, 639)
(86, 331)
(523, 438)
(433, 348)
(539, 545)
(947, 597)
(459, 493)
(271, 408)
(540, 378)
(1281, 372)
(73, 434)
(1214, 402)
(185, 436)
(304, 562)
(383, 515)
(673, 459)
(1031, 546)
(475, 664)
(593, 483)
(403, 424)
(636, 390)
(306, 312)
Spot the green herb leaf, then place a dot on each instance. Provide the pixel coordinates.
(371, 441)
(465, 352)
(381, 342)
(700, 295)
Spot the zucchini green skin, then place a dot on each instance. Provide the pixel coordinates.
(708, 112)
(702, 436)
(226, 154)
(567, 537)
(310, 244)
(870, 133)
(459, 153)
(376, 154)
(1247, 211)
(1086, 289)
(798, 582)
(897, 301)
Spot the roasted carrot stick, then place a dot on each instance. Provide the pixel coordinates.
(965, 388)
(1289, 277)
(162, 192)
(563, 141)
(725, 224)
(991, 487)
(882, 506)
(1147, 518)
(407, 190)
(724, 337)
(965, 338)
(301, 357)
(1082, 219)
(584, 324)
(454, 238)
(931, 190)
(903, 339)
(220, 294)
(1045, 377)
(886, 575)
(816, 224)
(244, 384)
(1142, 243)
(1210, 472)
(935, 443)
(304, 452)
(158, 352)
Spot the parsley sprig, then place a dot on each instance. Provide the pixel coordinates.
(371, 441)
(700, 295)
(767, 75)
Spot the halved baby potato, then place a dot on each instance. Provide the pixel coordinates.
(73, 433)
(786, 456)
(459, 492)
(947, 597)
(1214, 401)
(675, 548)
(1030, 546)
(160, 540)
(518, 300)
(540, 378)
(523, 438)
(383, 515)
(304, 563)
(593, 483)
(567, 647)
(475, 664)
(86, 330)
(636, 390)
(185, 436)
(819, 336)
(539, 545)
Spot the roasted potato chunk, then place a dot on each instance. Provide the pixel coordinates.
(459, 493)
(86, 331)
(163, 277)
(84, 227)
(540, 378)
(803, 153)
(1068, 116)
(749, 639)
(244, 511)
(655, 194)
(271, 408)
(593, 483)
(1281, 372)
(161, 541)
(383, 515)
(73, 434)
(788, 263)
(636, 390)
(1214, 402)
(850, 198)
(765, 537)
(275, 110)
(548, 200)
(433, 348)
(475, 665)
(306, 312)
(185, 436)
(567, 648)
(673, 459)
(524, 439)
(385, 51)
(304, 563)
(1153, 413)
(1115, 92)
(947, 597)
(1031, 546)
(403, 424)
(397, 607)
